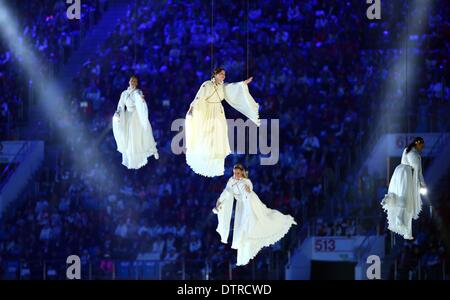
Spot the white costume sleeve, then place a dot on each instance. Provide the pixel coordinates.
(121, 104)
(224, 212)
(119, 123)
(249, 184)
(238, 96)
(404, 158)
(142, 109)
(416, 162)
(201, 94)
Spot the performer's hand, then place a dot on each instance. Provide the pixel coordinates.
(248, 80)
(216, 210)
(218, 204)
(247, 188)
(423, 191)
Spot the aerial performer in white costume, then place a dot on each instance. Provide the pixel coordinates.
(206, 126)
(131, 128)
(255, 225)
(402, 203)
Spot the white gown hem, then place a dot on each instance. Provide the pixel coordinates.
(269, 241)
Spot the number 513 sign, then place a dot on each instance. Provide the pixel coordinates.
(334, 244)
(324, 245)
(333, 248)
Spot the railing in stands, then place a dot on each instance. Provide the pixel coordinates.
(439, 139)
(420, 271)
(9, 170)
(120, 269)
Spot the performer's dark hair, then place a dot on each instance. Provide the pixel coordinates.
(241, 167)
(217, 71)
(416, 141)
(135, 77)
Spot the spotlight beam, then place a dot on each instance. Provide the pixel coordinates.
(50, 96)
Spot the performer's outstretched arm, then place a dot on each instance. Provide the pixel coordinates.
(248, 80)
(238, 96)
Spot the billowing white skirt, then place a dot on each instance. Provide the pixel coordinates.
(134, 142)
(399, 201)
(257, 226)
(207, 139)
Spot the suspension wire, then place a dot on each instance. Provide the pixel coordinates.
(248, 38)
(406, 69)
(135, 33)
(247, 70)
(212, 35)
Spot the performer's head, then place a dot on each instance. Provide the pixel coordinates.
(219, 74)
(239, 171)
(418, 143)
(133, 81)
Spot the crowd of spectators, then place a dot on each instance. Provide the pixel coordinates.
(318, 67)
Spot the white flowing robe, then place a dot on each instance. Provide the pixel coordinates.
(206, 129)
(132, 130)
(402, 203)
(255, 225)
